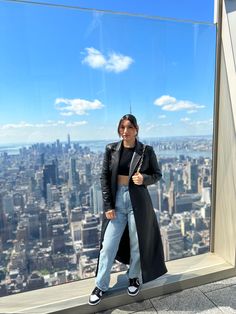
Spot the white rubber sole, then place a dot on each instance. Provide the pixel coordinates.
(94, 303)
(133, 294)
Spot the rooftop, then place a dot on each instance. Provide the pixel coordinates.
(215, 297)
(185, 288)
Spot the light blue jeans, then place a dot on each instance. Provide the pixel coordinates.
(112, 237)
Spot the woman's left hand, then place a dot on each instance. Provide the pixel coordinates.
(137, 178)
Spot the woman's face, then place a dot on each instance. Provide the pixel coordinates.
(127, 131)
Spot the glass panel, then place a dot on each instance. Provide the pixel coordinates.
(196, 10)
(66, 78)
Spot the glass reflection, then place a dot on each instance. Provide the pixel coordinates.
(66, 76)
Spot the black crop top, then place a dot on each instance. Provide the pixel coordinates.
(125, 160)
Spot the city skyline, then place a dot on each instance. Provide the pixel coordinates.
(51, 206)
(82, 75)
(67, 76)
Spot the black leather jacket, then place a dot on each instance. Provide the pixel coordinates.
(150, 170)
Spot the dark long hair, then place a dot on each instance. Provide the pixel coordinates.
(131, 118)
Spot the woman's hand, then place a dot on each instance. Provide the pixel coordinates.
(110, 214)
(137, 178)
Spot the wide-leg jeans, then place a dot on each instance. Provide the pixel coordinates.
(112, 237)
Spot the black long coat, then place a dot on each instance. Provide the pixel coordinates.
(150, 244)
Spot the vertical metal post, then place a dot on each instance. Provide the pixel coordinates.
(218, 22)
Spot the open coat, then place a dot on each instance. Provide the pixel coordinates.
(150, 243)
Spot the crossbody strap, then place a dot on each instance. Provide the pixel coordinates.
(141, 160)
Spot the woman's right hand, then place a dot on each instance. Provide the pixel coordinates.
(110, 214)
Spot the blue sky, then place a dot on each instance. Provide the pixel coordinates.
(70, 71)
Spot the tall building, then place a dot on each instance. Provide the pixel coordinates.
(73, 174)
(68, 141)
(96, 201)
(206, 195)
(76, 214)
(185, 223)
(173, 242)
(22, 232)
(192, 172)
(74, 199)
(34, 226)
(197, 220)
(55, 163)
(42, 159)
(49, 176)
(75, 227)
(43, 228)
(167, 176)
(3, 222)
(172, 195)
(49, 194)
(8, 204)
(154, 195)
(88, 173)
(58, 241)
(89, 232)
(178, 181)
(183, 203)
(160, 195)
(206, 211)
(18, 200)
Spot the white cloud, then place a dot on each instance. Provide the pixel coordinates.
(185, 119)
(19, 125)
(191, 111)
(149, 127)
(114, 62)
(162, 116)
(94, 59)
(118, 63)
(201, 122)
(153, 126)
(76, 123)
(69, 107)
(198, 124)
(49, 123)
(169, 103)
(66, 114)
(164, 100)
(165, 124)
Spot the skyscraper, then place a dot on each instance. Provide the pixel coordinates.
(73, 174)
(88, 173)
(192, 172)
(43, 228)
(173, 242)
(89, 232)
(49, 176)
(167, 177)
(3, 222)
(8, 204)
(68, 141)
(96, 202)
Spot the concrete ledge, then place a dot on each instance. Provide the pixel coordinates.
(72, 298)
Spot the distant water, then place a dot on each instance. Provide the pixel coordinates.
(11, 150)
(99, 146)
(193, 154)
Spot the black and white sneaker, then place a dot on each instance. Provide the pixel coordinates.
(95, 296)
(133, 288)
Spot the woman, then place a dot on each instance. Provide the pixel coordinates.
(130, 232)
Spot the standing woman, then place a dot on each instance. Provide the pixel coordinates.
(130, 232)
